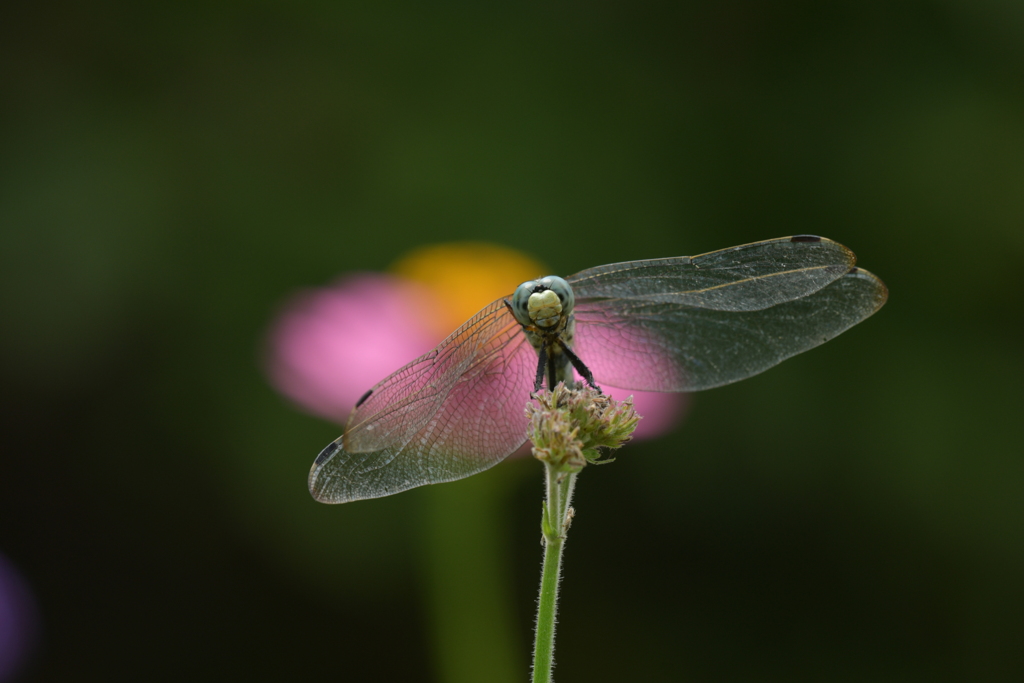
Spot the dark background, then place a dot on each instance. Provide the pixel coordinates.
(169, 174)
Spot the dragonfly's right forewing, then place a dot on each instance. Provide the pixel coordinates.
(744, 278)
(451, 413)
(694, 323)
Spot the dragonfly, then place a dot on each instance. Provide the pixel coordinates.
(679, 324)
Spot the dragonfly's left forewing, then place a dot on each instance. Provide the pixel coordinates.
(451, 413)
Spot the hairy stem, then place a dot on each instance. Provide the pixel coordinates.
(554, 524)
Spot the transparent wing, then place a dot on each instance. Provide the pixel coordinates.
(691, 323)
(453, 412)
(743, 278)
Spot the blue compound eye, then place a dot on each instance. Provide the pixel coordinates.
(521, 302)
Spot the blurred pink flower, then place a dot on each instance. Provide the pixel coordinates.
(18, 621)
(660, 412)
(329, 345)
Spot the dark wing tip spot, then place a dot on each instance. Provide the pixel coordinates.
(325, 454)
(853, 271)
(364, 397)
(804, 238)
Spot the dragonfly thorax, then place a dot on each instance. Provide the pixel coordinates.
(544, 310)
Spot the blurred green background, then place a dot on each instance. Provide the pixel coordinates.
(171, 173)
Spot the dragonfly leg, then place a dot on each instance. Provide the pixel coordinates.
(552, 371)
(542, 362)
(579, 365)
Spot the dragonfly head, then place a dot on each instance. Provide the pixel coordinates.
(542, 302)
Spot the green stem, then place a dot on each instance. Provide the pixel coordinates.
(555, 523)
(467, 578)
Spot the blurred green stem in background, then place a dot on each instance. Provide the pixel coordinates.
(468, 587)
(568, 429)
